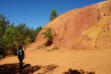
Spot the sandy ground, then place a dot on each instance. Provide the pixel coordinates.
(98, 61)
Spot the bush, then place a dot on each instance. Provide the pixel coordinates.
(54, 48)
(40, 47)
(48, 34)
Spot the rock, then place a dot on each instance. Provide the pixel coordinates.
(79, 28)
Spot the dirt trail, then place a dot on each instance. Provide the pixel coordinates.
(98, 61)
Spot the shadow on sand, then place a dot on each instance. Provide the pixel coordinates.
(27, 69)
(14, 69)
(71, 71)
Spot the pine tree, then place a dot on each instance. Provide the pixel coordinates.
(53, 14)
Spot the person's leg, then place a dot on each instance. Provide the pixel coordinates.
(21, 64)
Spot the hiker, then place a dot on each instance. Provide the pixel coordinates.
(20, 53)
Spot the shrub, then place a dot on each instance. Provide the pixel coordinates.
(48, 34)
(54, 48)
(40, 47)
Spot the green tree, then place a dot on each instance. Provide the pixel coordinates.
(10, 40)
(34, 33)
(3, 24)
(2, 48)
(53, 14)
(26, 35)
(38, 30)
(11, 36)
(21, 33)
(16, 35)
(49, 36)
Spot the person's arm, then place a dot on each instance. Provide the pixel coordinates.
(23, 49)
(24, 52)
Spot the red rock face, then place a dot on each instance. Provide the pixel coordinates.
(68, 27)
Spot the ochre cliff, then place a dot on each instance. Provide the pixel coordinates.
(87, 27)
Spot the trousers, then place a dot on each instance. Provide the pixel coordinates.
(20, 57)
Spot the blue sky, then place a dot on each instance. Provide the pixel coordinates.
(37, 12)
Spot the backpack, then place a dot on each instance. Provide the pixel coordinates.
(20, 52)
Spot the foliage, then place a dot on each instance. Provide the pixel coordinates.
(53, 14)
(54, 48)
(3, 24)
(49, 36)
(2, 47)
(38, 30)
(11, 36)
(40, 47)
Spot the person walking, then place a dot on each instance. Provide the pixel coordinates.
(20, 53)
